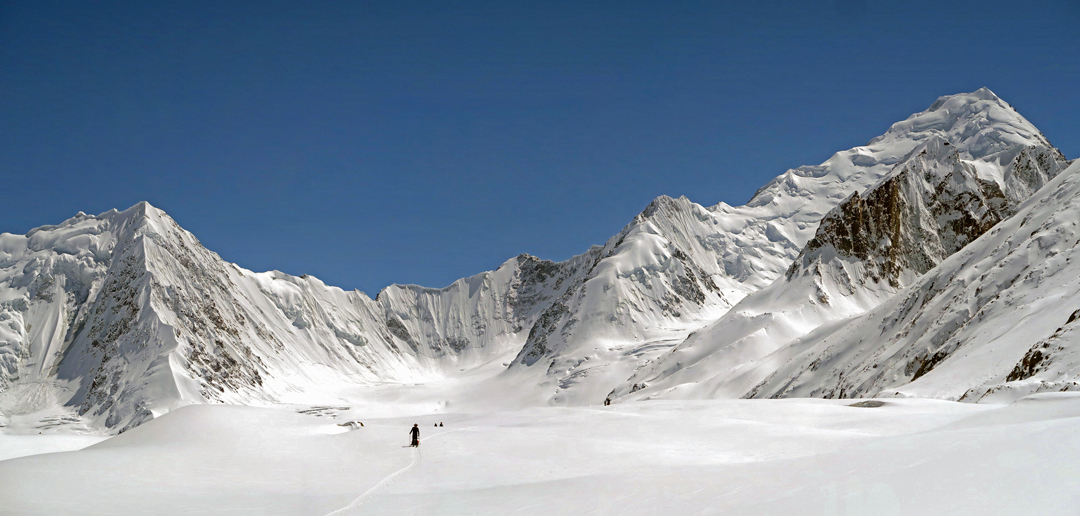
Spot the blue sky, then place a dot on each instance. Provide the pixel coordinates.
(370, 143)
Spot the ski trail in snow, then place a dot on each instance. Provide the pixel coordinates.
(377, 487)
(417, 457)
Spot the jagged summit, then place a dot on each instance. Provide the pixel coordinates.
(733, 251)
(663, 202)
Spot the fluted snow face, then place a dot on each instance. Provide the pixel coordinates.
(648, 286)
(45, 279)
(479, 316)
(125, 315)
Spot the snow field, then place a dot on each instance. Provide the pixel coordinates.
(15, 446)
(794, 456)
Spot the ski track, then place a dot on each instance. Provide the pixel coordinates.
(370, 493)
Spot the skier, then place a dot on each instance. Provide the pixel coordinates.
(415, 433)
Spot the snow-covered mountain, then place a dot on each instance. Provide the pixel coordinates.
(124, 316)
(976, 160)
(997, 320)
(678, 266)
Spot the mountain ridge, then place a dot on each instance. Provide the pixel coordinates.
(940, 196)
(124, 316)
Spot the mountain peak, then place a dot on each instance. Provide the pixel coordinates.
(979, 124)
(981, 94)
(141, 208)
(665, 202)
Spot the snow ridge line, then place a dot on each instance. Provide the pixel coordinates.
(360, 500)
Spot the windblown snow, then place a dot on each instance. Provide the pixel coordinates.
(933, 262)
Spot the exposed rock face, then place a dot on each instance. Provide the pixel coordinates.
(678, 266)
(931, 206)
(659, 271)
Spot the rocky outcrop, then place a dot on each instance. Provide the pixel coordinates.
(931, 206)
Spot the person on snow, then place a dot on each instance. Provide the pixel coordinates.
(415, 433)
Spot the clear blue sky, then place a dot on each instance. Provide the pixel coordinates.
(370, 143)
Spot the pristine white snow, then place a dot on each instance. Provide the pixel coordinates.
(752, 457)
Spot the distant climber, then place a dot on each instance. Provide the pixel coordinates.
(415, 433)
(440, 423)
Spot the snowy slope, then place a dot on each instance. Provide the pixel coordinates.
(976, 160)
(997, 320)
(678, 266)
(125, 315)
